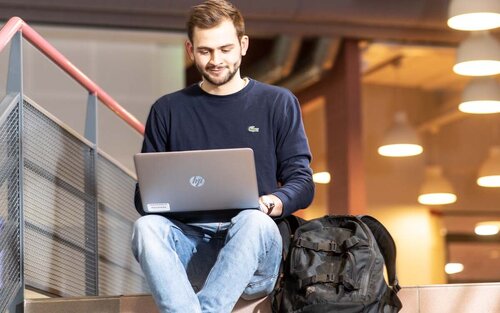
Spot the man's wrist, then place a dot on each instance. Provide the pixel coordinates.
(267, 204)
(271, 205)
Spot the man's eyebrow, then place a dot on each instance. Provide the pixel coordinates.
(229, 45)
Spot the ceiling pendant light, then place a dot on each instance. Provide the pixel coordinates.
(481, 96)
(453, 268)
(474, 15)
(489, 228)
(401, 140)
(489, 172)
(436, 190)
(478, 55)
(321, 178)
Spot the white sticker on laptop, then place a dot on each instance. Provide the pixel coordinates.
(158, 207)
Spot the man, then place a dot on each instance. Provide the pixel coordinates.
(206, 267)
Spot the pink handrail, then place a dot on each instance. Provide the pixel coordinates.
(16, 24)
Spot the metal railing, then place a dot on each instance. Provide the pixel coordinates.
(66, 208)
(17, 26)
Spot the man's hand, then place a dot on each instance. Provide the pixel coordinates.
(271, 205)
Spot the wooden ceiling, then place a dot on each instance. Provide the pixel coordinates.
(412, 66)
(423, 20)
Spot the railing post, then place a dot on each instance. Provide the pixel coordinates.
(15, 85)
(92, 210)
(91, 119)
(15, 71)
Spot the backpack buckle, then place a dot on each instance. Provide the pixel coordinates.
(330, 278)
(395, 286)
(334, 247)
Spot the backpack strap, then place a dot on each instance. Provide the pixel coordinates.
(387, 248)
(347, 282)
(320, 278)
(287, 227)
(330, 246)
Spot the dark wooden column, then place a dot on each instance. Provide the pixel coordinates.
(341, 88)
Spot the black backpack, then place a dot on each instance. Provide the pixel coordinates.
(336, 264)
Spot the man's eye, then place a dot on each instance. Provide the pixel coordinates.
(204, 52)
(226, 50)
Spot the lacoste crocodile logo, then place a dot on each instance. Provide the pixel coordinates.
(253, 129)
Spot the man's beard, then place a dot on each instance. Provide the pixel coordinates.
(222, 80)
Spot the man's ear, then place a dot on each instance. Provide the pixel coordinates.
(189, 49)
(244, 43)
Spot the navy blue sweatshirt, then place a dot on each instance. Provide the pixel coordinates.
(262, 117)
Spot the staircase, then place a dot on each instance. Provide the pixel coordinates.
(121, 304)
(459, 298)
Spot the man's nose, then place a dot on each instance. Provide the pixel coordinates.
(216, 57)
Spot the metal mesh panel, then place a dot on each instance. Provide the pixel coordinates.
(59, 201)
(59, 208)
(10, 276)
(119, 273)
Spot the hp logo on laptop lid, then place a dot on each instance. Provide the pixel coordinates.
(197, 181)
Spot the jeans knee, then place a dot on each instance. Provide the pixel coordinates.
(259, 225)
(256, 219)
(147, 224)
(147, 229)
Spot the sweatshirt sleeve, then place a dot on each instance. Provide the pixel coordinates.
(155, 140)
(293, 157)
(155, 132)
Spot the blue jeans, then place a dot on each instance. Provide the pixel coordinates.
(207, 267)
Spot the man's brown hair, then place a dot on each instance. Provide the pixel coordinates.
(211, 13)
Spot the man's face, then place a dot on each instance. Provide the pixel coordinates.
(217, 52)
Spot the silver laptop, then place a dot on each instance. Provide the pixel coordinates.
(197, 181)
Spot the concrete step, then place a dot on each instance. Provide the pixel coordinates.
(121, 304)
(455, 298)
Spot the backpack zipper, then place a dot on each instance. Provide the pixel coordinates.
(366, 280)
(351, 260)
